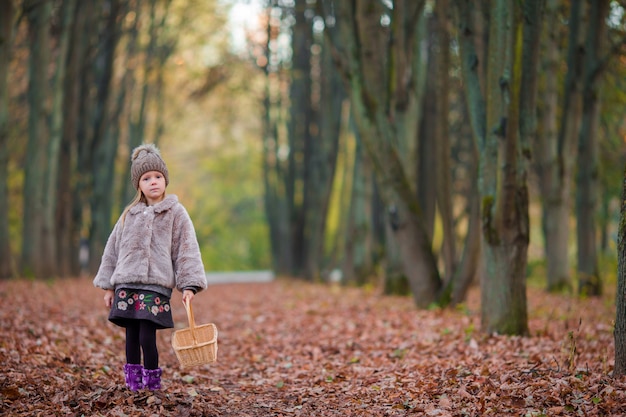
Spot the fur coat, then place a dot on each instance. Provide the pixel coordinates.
(154, 245)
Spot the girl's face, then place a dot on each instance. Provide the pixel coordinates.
(152, 185)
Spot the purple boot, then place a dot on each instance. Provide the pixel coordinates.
(152, 379)
(133, 375)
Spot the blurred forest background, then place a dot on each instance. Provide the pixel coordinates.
(415, 146)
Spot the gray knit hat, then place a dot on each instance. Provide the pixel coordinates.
(146, 158)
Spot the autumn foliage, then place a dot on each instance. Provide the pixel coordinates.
(296, 349)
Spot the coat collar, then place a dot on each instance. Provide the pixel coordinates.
(168, 202)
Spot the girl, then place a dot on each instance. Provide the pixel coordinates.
(151, 250)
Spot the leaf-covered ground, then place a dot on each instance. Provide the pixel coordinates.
(295, 349)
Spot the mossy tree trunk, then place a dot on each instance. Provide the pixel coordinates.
(503, 122)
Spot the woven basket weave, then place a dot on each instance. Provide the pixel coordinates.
(196, 345)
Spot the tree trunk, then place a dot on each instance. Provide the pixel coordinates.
(469, 265)
(511, 88)
(417, 151)
(350, 224)
(589, 280)
(157, 54)
(619, 333)
(555, 151)
(364, 65)
(6, 41)
(128, 85)
(90, 29)
(408, 57)
(51, 192)
(606, 220)
(322, 173)
(426, 165)
(274, 171)
(299, 133)
(322, 160)
(442, 137)
(467, 271)
(545, 154)
(164, 50)
(471, 41)
(103, 151)
(38, 14)
(71, 178)
(358, 264)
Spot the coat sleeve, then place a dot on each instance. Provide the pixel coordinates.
(108, 262)
(186, 258)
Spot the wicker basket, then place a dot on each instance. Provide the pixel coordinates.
(196, 345)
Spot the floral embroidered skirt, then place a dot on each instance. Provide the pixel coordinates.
(141, 305)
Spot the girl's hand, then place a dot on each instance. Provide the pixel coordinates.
(108, 298)
(187, 296)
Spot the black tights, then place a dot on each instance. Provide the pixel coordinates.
(141, 335)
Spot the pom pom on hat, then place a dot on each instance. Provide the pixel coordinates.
(146, 158)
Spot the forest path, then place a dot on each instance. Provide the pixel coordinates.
(239, 277)
(296, 349)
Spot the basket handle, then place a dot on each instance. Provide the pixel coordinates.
(192, 321)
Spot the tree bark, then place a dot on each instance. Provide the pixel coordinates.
(103, 147)
(555, 151)
(473, 66)
(274, 171)
(38, 14)
(368, 87)
(589, 280)
(545, 154)
(71, 200)
(511, 88)
(442, 137)
(299, 134)
(358, 265)
(87, 47)
(6, 42)
(426, 165)
(619, 333)
(322, 160)
(51, 191)
(134, 117)
(469, 264)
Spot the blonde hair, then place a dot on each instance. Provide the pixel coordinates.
(139, 197)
